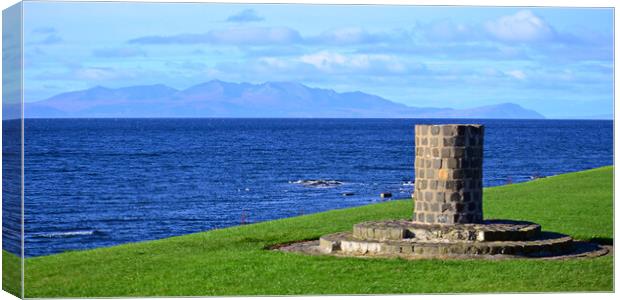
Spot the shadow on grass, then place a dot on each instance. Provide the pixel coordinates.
(280, 245)
(602, 241)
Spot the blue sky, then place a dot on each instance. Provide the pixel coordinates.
(558, 61)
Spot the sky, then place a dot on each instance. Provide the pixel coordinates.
(557, 61)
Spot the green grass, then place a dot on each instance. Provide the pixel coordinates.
(232, 261)
(11, 273)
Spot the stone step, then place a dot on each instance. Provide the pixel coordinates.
(546, 244)
(489, 230)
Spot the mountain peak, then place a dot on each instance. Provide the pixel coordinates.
(99, 88)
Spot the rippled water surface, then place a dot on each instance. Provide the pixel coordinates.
(100, 182)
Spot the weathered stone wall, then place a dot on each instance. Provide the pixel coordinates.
(448, 174)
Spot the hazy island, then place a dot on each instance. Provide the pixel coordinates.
(239, 100)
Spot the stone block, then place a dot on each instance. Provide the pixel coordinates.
(430, 218)
(428, 196)
(433, 184)
(459, 141)
(423, 184)
(466, 196)
(458, 152)
(328, 246)
(443, 174)
(446, 152)
(449, 130)
(396, 233)
(390, 248)
(455, 197)
(451, 163)
(465, 163)
(442, 219)
(440, 196)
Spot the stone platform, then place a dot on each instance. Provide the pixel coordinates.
(406, 239)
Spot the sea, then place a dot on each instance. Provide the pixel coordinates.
(101, 182)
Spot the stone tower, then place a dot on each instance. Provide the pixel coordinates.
(448, 174)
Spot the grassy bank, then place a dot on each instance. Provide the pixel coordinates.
(232, 261)
(11, 273)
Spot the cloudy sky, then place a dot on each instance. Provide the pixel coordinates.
(558, 61)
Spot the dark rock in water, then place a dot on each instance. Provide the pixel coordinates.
(348, 194)
(318, 182)
(386, 195)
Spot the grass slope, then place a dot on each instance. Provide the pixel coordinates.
(232, 261)
(11, 273)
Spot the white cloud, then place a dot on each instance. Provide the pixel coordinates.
(249, 35)
(228, 36)
(93, 73)
(346, 35)
(119, 52)
(517, 74)
(246, 15)
(258, 35)
(44, 30)
(523, 26)
(87, 73)
(324, 60)
(446, 30)
(356, 35)
(274, 62)
(328, 61)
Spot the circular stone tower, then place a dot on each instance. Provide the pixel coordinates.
(447, 218)
(448, 174)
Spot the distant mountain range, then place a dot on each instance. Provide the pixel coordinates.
(223, 99)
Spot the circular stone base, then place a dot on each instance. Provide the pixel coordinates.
(489, 239)
(579, 250)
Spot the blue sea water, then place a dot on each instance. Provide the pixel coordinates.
(101, 182)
